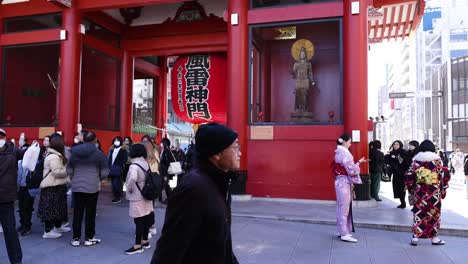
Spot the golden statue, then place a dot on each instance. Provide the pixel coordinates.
(302, 52)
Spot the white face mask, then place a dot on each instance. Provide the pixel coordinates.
(117, 143)
(97, 146)
(76, 141)
(2, 143)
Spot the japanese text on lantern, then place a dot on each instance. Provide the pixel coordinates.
(197, 92)
(179, 88)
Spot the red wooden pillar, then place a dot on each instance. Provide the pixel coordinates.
(162, 100)
(126, 95)
(355, 75)
(238, 72)
(70, 75)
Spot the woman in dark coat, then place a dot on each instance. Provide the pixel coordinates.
(398, 161)
(116, 161)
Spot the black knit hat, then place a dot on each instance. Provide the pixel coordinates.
(213, 138)
(427, 145)
(414, 143)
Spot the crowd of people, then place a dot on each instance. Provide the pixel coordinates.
(420, 171)
(197, 227)
(78, 171)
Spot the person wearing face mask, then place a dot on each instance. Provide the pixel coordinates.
(9, 157)
(116, 161)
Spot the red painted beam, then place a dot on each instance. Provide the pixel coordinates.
(418, 14)
(30, 37)
(147, 67)
(32, 7)
(108, 4)
(391, 22)
(382, 32)
(176, 42)
(180, 51)
(380, 3)
(105, 21)
(103, 47)
(299, 12)
(400, 16)
(411, 9)
(211, 25)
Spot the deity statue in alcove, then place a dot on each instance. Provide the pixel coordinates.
(302, 52)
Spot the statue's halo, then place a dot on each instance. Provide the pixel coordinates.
(297, 46)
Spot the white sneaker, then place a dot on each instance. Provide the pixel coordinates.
(349, 238)
(75, 242)
(153, 230)
(62, 229)
(65, 224)
(91, 242)
(414, 241)
(51, 234)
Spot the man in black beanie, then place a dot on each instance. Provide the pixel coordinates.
(197, 226)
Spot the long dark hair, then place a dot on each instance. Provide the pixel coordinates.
(58, 144)
(400, 143)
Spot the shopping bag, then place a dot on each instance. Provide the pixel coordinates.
(174, 168)
(31, 156)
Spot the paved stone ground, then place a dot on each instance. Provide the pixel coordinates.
(256, 241)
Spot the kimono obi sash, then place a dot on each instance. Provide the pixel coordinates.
(338, 169)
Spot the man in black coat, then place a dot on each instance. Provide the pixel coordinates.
(9, 156)
(376, 169)
(197, 227)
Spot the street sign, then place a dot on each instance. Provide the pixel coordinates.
(400, 95)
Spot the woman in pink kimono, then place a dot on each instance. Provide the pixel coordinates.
(346, 174)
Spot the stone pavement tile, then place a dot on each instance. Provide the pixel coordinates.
(266, 241)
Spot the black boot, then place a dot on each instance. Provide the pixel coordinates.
(403, 203)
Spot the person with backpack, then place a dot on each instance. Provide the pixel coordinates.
(153, 162)
(87, 168)
(116, 161)
(9, 157)
(140, 209)
(25, 200)
(53, 199)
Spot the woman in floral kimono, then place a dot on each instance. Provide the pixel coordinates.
(346, 174)
(427, 181)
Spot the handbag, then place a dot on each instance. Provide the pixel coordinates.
(31, 156)
(174, 167)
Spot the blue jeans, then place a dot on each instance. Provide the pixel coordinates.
(7, 219)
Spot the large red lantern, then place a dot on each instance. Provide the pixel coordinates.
(199, 88)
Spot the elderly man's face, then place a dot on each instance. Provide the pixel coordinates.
(229, 158)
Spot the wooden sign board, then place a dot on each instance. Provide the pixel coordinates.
(45, 131)
(61, 3)
(261, 132)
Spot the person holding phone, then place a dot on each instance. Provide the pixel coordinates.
(346, 173)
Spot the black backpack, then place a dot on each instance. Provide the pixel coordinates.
(153, 184)
(34, 178)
